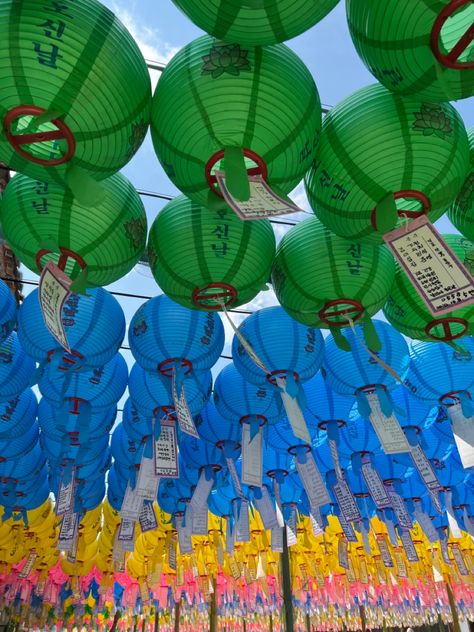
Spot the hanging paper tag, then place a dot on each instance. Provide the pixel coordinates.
(183, 414)
(265, 509)
(400, 563)
(293, 412)
(436, 501)
(463, 431)
(147, 518)
(458, 558)
(235, 477)
(365, 538)
(291, 535)
(126, 534)
(342, 553)
(426, 525)
(436, 273)
(251, 457)
(409, 547)
(131, 505)
(399, 507)
(242, 522)
(65, 499)
(234, 569)
(363, 574)
(184, 533)
(229, 537)
(144, 592)
(443, 545)
(202, 491)
(71, 556)
(29, 564)
(347, 528)
(118, 554)
(374, 483)
(312, 481)
(388, 429)
(392, 534)
(316, 521)
(346, 502)
(166, 451)
(172, 555)
(384, 551)
(335, 459)
(67, 532)
(263, 202)
(278, 509)
(53, 293)
(147, 481)
(199, 518)
(350, 574)
(277, 539)
(453, 523)
(424, 467)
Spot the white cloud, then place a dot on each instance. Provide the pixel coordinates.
(148, 39)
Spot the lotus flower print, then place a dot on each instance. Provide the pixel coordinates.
(225, 58)
(139, 131)
(136, 232)
(433, 120)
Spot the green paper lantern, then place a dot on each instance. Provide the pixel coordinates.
(407, 312)
(75, 92)
(461, 212)
(320, 279)
(43, 221)
(253, 22)
(201, 256)
(260, 104)
(382, 160)
(421, 50)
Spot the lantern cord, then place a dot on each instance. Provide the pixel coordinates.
(383, 364)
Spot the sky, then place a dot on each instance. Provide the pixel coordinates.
(160, 30)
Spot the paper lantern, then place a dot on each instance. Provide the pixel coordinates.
(7, 310)
(439, 374)
(255, 23)
(165, 336)
(284, 345)
(213, 98)
(75, 91)
(16, 368)
(408, 313)
(94, 325)
(430, 55)
(345, 279)
(200, 257)
(461, 212)
(17, 415)
(374, 167)
(44, 222)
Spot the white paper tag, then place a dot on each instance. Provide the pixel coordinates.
(436, 273)
(184, 533)
(409, 547)
(277, 539)
(67, 532)
(342, 553)
(400, 563)
(316, 521)
(147, 518)
(426, 525)
(388, 429)
(278, 509)
(131, 505)
(266, 510)
(384, 551)
(147, 480)
(229, 537)
(463, 431)
(458, 558)
(347, 528)
(453, 523)
(263, 202)
(183, 414)
(118, 554)
(436, 501)
(399, 507)
(346, 502)
(72, 553)
(365, 538)
(202, 491)
(392, 534)
(294, 414)
(29, 564)
(251, 457)
(199, 518)
(443, 545)
(65, 499)
(172, 555)
(53, 293)
(312, 482)
(424, 467)
(335, 458)
(166, 451)
(235, 477)
(291, 534)
(375, 486)
(242, 523)
(126, 534)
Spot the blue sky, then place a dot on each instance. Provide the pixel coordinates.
(161, 30)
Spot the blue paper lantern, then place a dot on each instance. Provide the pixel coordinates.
(7, 311)
(16, 368)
